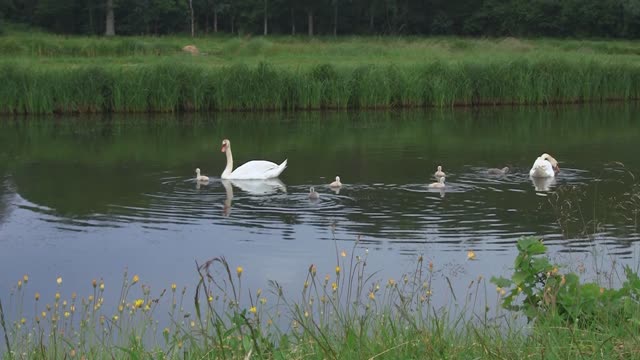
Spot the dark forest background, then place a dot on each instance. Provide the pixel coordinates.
(549, 18)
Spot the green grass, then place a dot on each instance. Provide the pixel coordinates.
(347, 312)
(43, 73)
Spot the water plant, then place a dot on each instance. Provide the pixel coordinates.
(346, 312)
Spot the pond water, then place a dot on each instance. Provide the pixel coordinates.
(88, 197)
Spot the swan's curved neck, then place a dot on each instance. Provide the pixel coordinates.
(227, 170)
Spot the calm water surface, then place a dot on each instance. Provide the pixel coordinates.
(88, 197)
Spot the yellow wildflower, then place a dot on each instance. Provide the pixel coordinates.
(44, 314)
(23, 321)
(67, 314)
(253, 310)
(166, 330)
(239, 270)
(372, 296)
(263, 301)
(337, 269)
(259, 292)
(471, 255)
(135, 279)
(306, 314)
(57, 296)
(25, 278)
(115, 317)
(173, 287)
(19, 284)
(210, 298)
(102, 285)
(138, 303)
(343, 253)
(37, 296)
(334, 286)
(59, 280)
(391, 282)
(306, 284)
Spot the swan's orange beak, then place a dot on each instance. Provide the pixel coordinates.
(224, 147)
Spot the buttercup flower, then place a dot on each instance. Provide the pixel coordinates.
(59, 280)
(239, 270)
(135, 279)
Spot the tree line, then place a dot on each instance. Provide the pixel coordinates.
(553, 18)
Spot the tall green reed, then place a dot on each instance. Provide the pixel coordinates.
(169, 87)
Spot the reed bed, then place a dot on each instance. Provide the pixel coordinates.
(340, 313)
(168, 87)
(45, 73)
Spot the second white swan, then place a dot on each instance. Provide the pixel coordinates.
(544, 166)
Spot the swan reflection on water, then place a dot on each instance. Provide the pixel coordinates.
(252, 187)
(543, 183)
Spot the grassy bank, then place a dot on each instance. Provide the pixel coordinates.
(341, 313)
(42, 73)
(167, 87)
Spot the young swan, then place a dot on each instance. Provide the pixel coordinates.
(337, 183)
(494, 171)
(438, 185)
(439, 173)
(200, 177)
(313, 195)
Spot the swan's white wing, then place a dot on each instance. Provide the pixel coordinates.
(542, 168)
(258, 169)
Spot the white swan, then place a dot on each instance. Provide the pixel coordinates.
(495, 171)
(439, 173)
(544, 166)
(438, 185)
(337, 183)
(313, 195)
(199, 177)
(252, 170)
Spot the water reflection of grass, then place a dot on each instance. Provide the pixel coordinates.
(347, 312)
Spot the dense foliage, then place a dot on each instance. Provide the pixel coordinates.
(580, 18)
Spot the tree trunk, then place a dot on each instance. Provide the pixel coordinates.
(265, 17)
(90, 7)
(193, 25)
(310, 21)
(110, 21)
(215, 20)
(293, 22)
(335, 17)
(371, 20)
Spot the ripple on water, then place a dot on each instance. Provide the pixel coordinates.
(380, 211)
